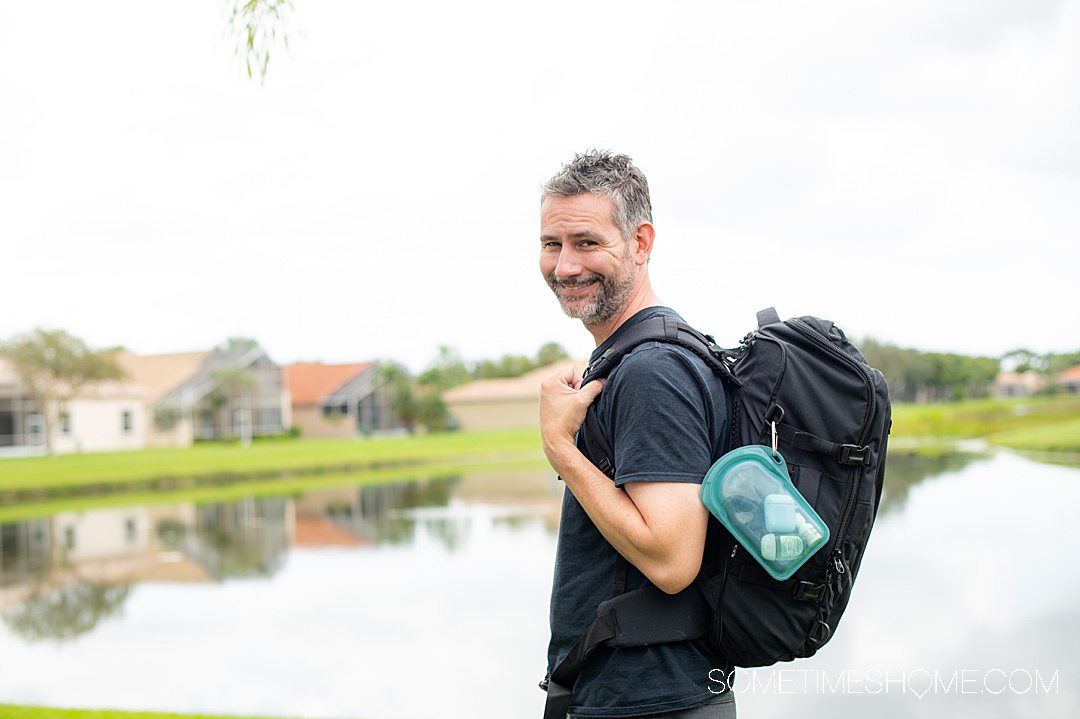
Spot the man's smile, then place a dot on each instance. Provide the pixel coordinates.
(575, 289)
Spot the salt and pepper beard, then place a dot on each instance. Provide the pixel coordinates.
(609, 298)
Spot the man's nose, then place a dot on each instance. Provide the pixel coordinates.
(568, 265)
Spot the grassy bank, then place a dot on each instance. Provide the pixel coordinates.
(253, 488)
(221, 463)
(1047, 424)
(1063, 436)
(8, 711)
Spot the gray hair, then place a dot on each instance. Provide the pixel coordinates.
(601, 172)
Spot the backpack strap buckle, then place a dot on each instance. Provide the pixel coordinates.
(854, 455)
(601, 364)
(807, 591)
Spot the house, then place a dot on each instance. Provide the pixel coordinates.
(104, 416)
(1069, 380)
(340, 400)
(502, 403)
(1018, 384)
(156, 375)
(22, 428)
(231, 391)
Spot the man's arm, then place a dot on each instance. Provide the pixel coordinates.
(659, 527)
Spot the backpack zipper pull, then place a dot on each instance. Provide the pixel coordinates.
(838, 563)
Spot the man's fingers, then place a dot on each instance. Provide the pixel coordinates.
(592, 389)
(568, 376)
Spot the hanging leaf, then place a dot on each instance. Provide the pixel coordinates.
(256, 27)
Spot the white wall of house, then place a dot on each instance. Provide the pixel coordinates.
(102, 533)
(97, 424)
(181, 435)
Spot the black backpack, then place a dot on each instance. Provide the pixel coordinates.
(803, 382)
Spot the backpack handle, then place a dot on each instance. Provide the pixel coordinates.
(767, 317)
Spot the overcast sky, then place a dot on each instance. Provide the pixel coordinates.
(908, 169)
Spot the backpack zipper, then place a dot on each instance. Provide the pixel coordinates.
(811, 333)
(853, 486)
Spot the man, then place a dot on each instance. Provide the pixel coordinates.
(662, 411)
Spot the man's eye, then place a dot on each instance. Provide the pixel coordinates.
(550, 243)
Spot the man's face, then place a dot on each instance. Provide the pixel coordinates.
(584, 257)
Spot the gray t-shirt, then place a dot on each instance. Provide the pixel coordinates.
(663, 413)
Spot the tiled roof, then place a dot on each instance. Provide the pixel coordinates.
(310, 382)
(160, 373)
(321, 532)
(1070, 375)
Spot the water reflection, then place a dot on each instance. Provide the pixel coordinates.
(60, 576)
(905, 470)
(344, 602)
(65, 612)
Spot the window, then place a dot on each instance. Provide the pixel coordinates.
(132, 533)
(69, 538)
(125, 421)
(65, 422)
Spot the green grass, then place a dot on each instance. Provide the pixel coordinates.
(1063, 436)
(24, 510)
(8, 711)
(1043, 423)
(105, 469)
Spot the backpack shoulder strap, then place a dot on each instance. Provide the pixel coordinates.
(656, 329)
(660, 329)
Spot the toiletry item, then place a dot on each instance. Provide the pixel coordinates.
(750, 492)
(779, 514)
(807, 531)
(781, 547)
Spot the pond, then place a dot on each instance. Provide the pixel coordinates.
(426, 599)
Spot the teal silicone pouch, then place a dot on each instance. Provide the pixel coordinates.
(750, 492)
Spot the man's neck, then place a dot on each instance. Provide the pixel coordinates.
(638, 301)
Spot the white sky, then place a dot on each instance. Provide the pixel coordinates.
(909, 169)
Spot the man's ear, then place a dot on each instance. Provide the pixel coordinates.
(643, 242)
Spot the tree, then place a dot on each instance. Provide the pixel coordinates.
(1023, 360)
(448, 370)
(915, 376)
(418, 402)
(66, 612)
(256, 26)
(1060, 362)
(232, 385)
(54, 366)
(550, 352)
(403, 401)
(505, 366)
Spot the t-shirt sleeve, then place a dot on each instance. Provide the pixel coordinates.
(659, 418)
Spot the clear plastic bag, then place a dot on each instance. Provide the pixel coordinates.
(750, 492)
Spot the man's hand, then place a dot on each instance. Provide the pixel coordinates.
(563, 403)
(659, 527)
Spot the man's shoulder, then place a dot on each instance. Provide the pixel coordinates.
(659, 362)
(659, 377)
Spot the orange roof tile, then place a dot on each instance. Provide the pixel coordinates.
(1069, 375)
(321, 532)
(309, 382)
